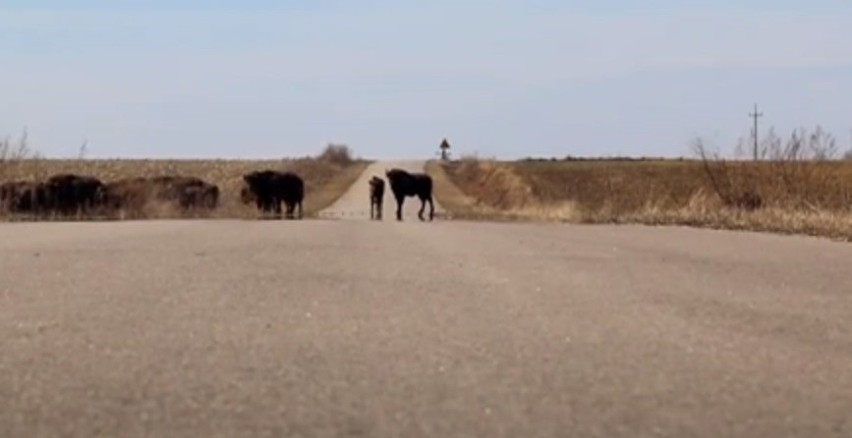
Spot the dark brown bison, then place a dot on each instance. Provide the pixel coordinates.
(133, 195)
(411, 184)
(377, 193)
(269, 188)
(129, 194)
(23, 197)
(188, 193)
(62, 195)
(200, 196)
(69, 194)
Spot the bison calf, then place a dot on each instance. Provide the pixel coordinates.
(377, 193)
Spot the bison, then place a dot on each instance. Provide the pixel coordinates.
(63, 194)
(188, 193)
(129, 194)
(269, 188)
(23, 197)
(377, 193)
(200, 197)
(405, 184)
(69, 194)
(180, 192)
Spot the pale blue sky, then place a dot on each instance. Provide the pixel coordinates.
(504, 78)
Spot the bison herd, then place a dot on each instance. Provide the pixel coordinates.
(71, 195)
(67, 195)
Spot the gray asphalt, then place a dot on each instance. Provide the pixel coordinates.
(445, 329)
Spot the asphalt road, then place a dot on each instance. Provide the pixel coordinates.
(445, 329)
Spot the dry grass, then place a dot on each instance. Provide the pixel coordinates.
(325, 180)
(802, 197)
(488, 190)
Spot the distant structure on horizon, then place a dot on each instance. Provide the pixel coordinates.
(445, 150)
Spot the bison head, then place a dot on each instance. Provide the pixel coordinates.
(246, 195)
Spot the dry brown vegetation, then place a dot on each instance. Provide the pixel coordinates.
(781, 195)
(326, 177)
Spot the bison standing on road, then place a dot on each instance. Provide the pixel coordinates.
(188, 193)
(64, 194)
(377, 194)
(129, 194)
(269, 188)
(411, 184)
(69, 194)
(180, 192)
(200, 197)
(23, 197)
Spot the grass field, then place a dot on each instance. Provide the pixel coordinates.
(795, 197)
(325, 180)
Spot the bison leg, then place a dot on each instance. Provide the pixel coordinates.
(399, 201)
(376, 208)
(422, 208)
(269, 206)
(277, 206)
(423, 200)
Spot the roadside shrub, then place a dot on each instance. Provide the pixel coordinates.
(339, 154)
(799, 173)
(12, 153)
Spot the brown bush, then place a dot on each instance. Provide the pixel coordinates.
(338, 154)
(800, 173)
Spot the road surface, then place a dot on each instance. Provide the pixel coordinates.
(448, 329)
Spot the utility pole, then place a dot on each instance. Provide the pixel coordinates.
(848, 154)
(755, 115)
